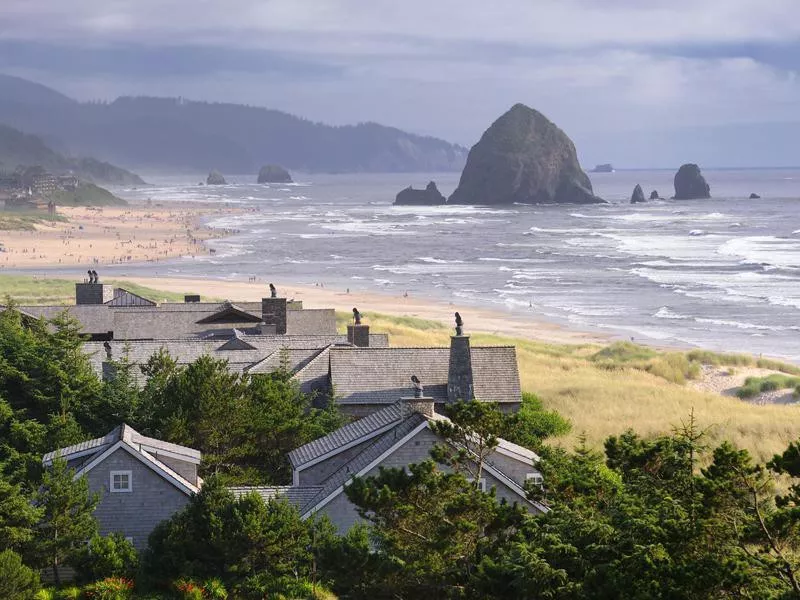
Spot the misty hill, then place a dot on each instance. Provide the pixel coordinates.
(20, 149)
(170, 133)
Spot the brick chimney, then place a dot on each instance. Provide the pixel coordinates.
(93, 293)
(459, 376)
(273, 312)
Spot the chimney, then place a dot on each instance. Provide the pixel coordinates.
(187, 298)
(92, 292)
(413, 404)
(459, 376)
(273, 312)
(358, 335)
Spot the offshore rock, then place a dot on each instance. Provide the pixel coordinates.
(754, 196)
(654, 195)
(638, 195)
(430, 196)
(690, 183)
(523, 158)
(274, 174)
(215, 178)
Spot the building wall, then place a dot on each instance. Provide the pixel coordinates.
(133, 514)
(358, 411)
(417, 449)
(516, 469)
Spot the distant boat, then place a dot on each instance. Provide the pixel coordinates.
(604, 168)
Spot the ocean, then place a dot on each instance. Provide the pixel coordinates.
(722, 274)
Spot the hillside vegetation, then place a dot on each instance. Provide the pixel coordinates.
(605, 390)
(175, 133)
(18, 149)
(86, 194)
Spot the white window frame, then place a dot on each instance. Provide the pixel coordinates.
(115, 490)
(535, 477)
(129, 538)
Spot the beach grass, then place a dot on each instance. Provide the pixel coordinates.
(26, 221)
(605, 390)
(25, 289)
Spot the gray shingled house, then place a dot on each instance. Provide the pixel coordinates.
(107, 313)
(361, 379)
(395, 436)
(141, 481)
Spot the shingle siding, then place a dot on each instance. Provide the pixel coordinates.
(133, 514)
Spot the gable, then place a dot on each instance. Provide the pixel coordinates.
(230, 314)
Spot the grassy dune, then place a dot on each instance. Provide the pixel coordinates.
(28, 290)
(604, 391)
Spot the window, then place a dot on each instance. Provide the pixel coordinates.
(121, 481)
(536, 478)
(129, 539)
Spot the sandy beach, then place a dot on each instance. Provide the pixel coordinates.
(478, 319)
(111, 235)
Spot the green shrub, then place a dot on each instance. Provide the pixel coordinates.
(110, 588)
(106, 556)
(624, 352)
(706, 357)
(753, 386)
(45, 594)
(17, 581)
(70, 593)
(215, 590)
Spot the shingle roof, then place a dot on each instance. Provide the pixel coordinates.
(382, 375)
(128, 434)
(298, 496)
(357, 431)
(373, 451)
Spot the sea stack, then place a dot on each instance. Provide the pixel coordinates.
(654, 195)
(754, 196)
(690, 183)
(638, 195)
(523, 158)
(215, 178)
(274, 174)
(430, 196)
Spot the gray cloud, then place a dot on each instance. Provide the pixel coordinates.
(604, 71)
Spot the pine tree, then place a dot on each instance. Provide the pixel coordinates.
(67, 521)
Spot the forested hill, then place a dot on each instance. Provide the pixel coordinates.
(170, 133)
(18, 149)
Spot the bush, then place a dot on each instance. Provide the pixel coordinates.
(70, 593)
(111, 588)
(17, 581)
(106, 557)
(45, 594)
(189, 590)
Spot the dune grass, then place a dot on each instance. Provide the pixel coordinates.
(604, 391)
(44, 290)
(753, 386)
(25, 221)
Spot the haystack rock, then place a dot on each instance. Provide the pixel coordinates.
(430, 196)
(690, 183)
(215, 178)
(523, 158)
(654, 195)
(638, 195)
(274, 174)
(754, 196)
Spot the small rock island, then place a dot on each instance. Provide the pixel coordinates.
(274, 174)
(604, 168)
(654, 195)
(430, 196)
(690, 183)
(215, 178)
(638, 195)
(523, 158)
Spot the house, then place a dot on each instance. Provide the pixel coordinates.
(106, 313)
(361, 379)
(395, 436)
(141, 481)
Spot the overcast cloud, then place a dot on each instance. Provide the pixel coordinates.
(637, 82)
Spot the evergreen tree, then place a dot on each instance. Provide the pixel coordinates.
(17, 581)
(67, 522)
(18, 517)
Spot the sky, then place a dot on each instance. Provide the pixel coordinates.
(639, 83)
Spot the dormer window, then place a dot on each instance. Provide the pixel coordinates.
(120, 481)
(535, 478)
